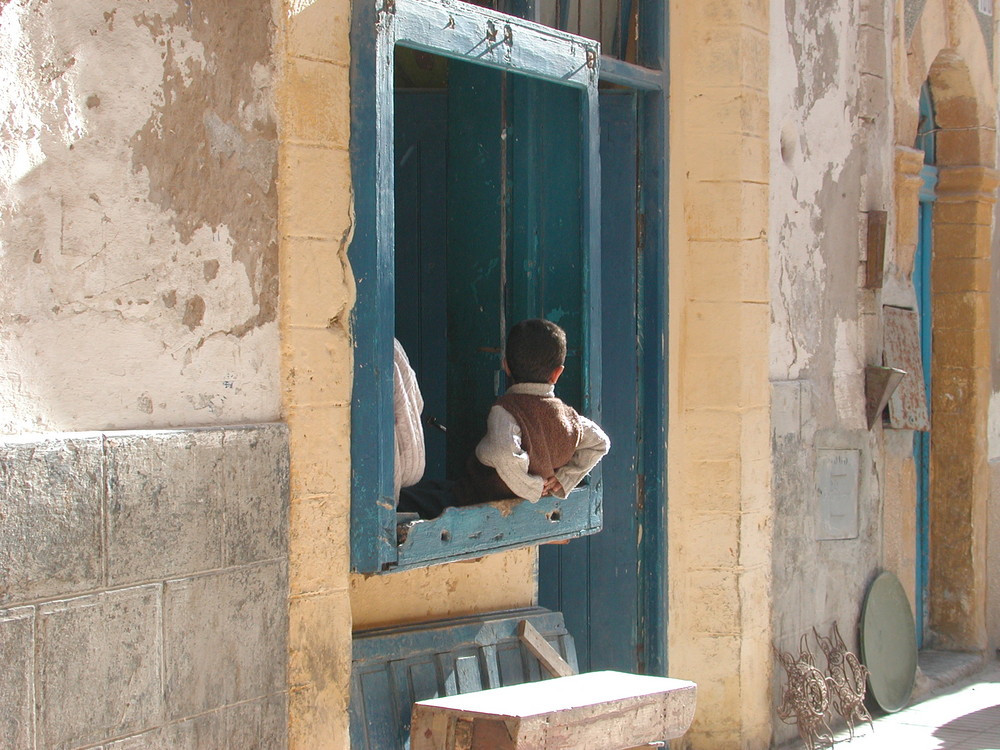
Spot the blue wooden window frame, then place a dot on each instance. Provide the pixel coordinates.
(461, 31)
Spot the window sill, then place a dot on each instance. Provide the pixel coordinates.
(476, 530)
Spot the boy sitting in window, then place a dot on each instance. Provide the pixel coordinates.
(535, 444)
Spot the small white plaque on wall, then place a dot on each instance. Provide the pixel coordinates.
(837, 473)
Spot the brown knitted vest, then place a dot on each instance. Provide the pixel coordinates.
(550, 433)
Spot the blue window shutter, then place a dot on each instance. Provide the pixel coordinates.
(486, 38)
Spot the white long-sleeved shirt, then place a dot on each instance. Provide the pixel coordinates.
(407, 403)
(502, 449)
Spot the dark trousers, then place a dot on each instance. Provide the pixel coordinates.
(428, 497)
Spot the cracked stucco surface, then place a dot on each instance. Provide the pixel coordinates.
(138, 241)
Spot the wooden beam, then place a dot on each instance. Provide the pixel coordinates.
(547, 656)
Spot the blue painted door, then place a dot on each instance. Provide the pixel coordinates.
(922, 288)
(596, 581)
(488, 232)
(421, 237)
(922, 440)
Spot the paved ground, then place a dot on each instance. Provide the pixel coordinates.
(946, 714)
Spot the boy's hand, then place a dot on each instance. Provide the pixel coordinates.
(552, 486)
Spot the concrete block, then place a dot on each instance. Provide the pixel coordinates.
(317, 102)
(319, 639)
(260, 725)
(732, 55)
(320, 30)
(786, 408)
(873, 97)
(713, 381)
(98, 666)
(712, 538)
(225, 638)
(728, 156)
(961, 311)
(322, 371)
(716, 484)
(714, 597)
(729, 271)
(50, 522)
(962, 348)
(715, 659)
(317, 283)
(969, 212)
(752, 13)
(17, 700)
(961, 147)
(319, 545)
(961, 241)
(727, 210)
(165, 504)
(714, 328)
(320, 440)
(255, 470)
(319, 717)
(963, 274)
(711, 435)
(315, 191)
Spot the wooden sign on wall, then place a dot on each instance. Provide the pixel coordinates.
(901, 340)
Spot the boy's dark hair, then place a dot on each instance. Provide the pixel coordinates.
(535, 349)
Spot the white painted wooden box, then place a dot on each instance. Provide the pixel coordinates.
(592, 711)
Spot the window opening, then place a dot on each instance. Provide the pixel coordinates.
(479, 208)
(487, 200)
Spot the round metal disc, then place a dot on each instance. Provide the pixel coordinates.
(888, 643)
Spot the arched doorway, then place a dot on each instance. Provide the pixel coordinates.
(956, 287)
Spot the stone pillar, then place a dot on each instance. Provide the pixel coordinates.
(899, 528)
(909, 162)
(720, 500)
(960, 376)
(317, 294)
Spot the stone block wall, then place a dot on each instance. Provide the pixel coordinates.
(143, 589)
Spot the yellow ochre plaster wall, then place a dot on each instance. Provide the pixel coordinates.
(327, 602)
(719, 549)
(502, 581)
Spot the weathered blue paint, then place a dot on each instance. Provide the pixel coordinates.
(474, 251)
(595, 581)
(461, 533)
(421, 235)
(632, 76)
(466, 34)
(922, 288)
(487, 37)
(373, 531)
(612, 587)
(547, 272)
(394, 667)
(652, 344)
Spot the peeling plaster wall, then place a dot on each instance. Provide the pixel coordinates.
(832, 159)
(138, 243)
